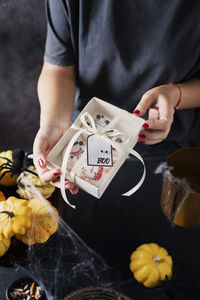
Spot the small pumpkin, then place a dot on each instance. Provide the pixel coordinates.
(8, 177)
(2, 196)
(4, 244)
(14, 216)
(30, 176)
(43, 222)
(151, 265)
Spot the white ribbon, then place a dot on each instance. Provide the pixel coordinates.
(105, 133)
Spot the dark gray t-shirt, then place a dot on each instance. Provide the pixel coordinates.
(122, 48)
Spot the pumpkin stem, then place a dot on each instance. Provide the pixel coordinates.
(9, 213)
(157, 259)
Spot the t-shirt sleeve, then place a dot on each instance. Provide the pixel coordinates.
(58, 48)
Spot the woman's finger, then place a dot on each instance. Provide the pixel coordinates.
(153, 114)
(42, 165)
(47, 175)
(145, 103)
(153, 135)
(39, 161)
(150, 142)
(56, 183)
(75, 190)
(39, 154)
(161, 124)
(68, 184)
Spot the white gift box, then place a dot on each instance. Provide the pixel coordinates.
(119, 125)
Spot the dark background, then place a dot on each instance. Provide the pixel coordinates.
(22, 38)
(130, 223)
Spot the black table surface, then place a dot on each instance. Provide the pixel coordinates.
(114, 226)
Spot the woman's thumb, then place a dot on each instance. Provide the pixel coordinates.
(40, 147)
(41, 161)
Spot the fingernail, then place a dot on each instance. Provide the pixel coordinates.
(142, 135)
(141, 141)
(137, 112)
(145, 125)
(56, 173)
(41, 163)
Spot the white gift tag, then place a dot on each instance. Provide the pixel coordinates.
(99, 152)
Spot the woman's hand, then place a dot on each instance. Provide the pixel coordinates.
(160, 103)
(45, 140)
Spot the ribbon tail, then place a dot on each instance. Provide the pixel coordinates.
(64, 167)
(138, 185)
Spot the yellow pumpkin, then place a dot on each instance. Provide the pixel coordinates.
(4, 244)
(43, 222)
(30, 176)
(14, 216)
(2, 196)
(151, 265)
(7, 176)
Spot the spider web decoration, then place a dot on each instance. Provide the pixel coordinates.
(64, 263)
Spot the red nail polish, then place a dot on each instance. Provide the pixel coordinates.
(142, 135)
(145, 125)
(137, 112)
(41, 162)
(141, 141)
(56, 174)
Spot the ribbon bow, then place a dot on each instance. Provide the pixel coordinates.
(105, 133)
